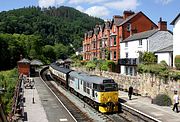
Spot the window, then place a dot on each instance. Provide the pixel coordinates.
(78, 83)
(114, 28)
(128, 27)
(140, 42)
(126, 70)
(131, 71)
(114, 55)
(88, 91)
(126, 44)
(114, 41)
(84, 86)
(111, 41)
(100, 45)
(126, 55)
(111, 55)
(94, 45)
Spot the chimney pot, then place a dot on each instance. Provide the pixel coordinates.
(162, 25)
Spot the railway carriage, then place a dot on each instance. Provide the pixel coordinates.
(60, 73)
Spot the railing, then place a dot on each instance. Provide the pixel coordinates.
(17, 111)
(128, 61)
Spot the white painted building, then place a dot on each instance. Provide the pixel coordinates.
(176, 36)
(157, 41)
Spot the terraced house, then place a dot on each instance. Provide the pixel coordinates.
(103, 42)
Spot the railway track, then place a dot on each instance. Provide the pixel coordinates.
(127, 113)
(73, 109)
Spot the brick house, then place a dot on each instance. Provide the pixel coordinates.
(103, 42)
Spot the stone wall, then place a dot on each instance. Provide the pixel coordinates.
(145, 85)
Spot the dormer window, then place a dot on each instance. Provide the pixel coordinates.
(129, 27)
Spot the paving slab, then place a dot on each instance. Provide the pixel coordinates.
(143, 104)
(46, 107)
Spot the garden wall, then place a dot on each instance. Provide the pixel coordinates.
(143, 84)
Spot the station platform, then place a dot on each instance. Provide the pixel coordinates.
(143, 104)
(46, 108)
(33, 112)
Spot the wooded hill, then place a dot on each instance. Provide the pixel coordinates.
(47, 34)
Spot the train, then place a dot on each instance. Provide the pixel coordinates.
(99, 92)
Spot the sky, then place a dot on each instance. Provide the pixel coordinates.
(106, 9)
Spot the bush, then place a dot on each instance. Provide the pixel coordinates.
(8, 81)
(162, 100)
(90, 65)
(177, 62)
(104, 67)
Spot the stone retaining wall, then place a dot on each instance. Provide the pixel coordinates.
(145, 85)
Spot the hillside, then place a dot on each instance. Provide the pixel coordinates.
(50, 32)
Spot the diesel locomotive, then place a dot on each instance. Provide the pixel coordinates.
(99, 92)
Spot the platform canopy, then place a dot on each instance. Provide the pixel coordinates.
(36, 62)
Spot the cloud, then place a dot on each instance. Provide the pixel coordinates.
(80, 8)
(164, 2)
(98, 11)
(47, 3)
(122, 5)
(86, 1)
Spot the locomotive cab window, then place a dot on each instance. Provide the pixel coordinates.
(111, 87)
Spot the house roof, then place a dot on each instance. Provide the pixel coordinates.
(142, 35)
(173, 22)
(36, 62)
(96, 30)
(166, 49)
(90, 33)
(132, 16)
(160, 40)
(117, 20)
(129, 18)
(24, 61)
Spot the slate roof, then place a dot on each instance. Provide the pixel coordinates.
(24, 61)
(160, 40)
(96, 30)
(117, 21)
(166, 49)
(89, 78)
(173, 22)
(142, 35)
(130, 17)
(90, 33)
(36, 62)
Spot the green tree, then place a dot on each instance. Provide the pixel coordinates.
(148, 58)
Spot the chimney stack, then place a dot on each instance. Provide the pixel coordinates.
(126, 14)
(162, 25)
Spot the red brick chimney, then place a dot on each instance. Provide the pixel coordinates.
(118, 16)
(127, 14)
(162, 25)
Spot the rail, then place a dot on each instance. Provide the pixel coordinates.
(135, 115)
